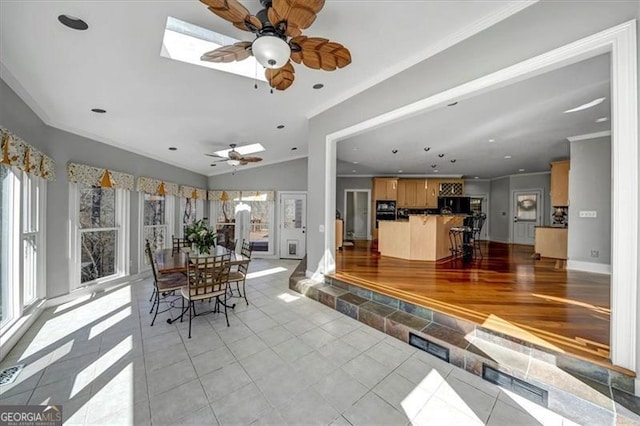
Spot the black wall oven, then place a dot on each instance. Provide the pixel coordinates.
(385, 210)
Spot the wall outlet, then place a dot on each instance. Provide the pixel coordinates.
(321, 228)
(595, 253)
(588, 213)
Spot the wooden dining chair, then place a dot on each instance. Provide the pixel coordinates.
(239, 275)
(163, 285)
(208, 278)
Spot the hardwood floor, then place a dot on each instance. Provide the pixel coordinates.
(506, 290)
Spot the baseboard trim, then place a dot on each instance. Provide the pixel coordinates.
(11, 337)
(597, 268)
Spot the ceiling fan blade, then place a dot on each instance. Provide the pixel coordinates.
(320, 53)
(280, 78)
(234, 12)
(298, 14)
(215, 156)
(250, 160)
(235, 52)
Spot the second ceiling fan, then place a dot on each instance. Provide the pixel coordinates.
(234, 158)
(279, 40)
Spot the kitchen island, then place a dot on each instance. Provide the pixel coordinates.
(422, 237)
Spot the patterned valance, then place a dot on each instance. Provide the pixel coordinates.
(16, 152)
(157, 187)
(191, 192)
(245, 195)
(99, 177)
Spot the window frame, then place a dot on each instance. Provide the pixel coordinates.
(169, 223)
(122, 261)
(20, 207)
(199, 213)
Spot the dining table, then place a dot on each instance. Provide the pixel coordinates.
(168, 261)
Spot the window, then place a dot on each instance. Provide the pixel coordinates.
(21, 232)
(250, 217)
(191, 210)
(157, 213)
(101, 250)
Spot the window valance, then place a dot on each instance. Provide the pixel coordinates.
(99, 177)
(251, 195)
(191, 192)
(157, 187)
(16, 152)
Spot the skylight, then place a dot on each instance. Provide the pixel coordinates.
(242, 150)
(186, 42)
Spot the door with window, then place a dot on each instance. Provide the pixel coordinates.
(527, 214)
(293, 225)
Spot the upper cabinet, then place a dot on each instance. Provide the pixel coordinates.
(451, 187)
(560, 183)
(385, 188)
(412, 193)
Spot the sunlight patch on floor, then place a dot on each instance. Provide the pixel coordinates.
(104, 325)
(288, 297)
(598, 309)
(102, 364)
(265, 272)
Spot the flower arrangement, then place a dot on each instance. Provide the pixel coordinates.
(201, 236)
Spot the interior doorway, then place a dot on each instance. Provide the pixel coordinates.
(527, 208)
(293, 225)
(357, 214)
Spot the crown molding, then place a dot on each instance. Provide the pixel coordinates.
(589, 136)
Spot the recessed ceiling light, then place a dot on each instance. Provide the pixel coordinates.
(399, 171)
(173, 148)
(521, 170)
(435, 171)
(433, 166)
(355, 162)
(476, 177)
(99, 110)
(587, 105)
(453, 104)
(492, 140)
(427, 148)
(440, 155)
(294, 148)
(395, 151)
(213, 164)
(73, 22)
(507, 156)
(355, 148)
(280, 126)
(602, 119)
(453, 161)
(353, 171)
(318, 86)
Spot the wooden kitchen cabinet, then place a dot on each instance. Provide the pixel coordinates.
(385, 189)
(450, 187)
(412, 193)
(433, 189)
(560, 183)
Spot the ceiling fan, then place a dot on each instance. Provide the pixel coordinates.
(279, 40)
(234, 158)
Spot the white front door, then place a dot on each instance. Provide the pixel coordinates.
(527, 214)
(293, 225)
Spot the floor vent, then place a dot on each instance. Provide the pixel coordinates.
(429, 347)
(9, 374)
(522, 388)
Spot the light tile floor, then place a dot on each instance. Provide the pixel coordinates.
(284, 360)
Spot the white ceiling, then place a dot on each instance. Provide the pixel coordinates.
(153, 103)
(526, 120)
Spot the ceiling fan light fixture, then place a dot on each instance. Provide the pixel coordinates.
(233, 163)
(271, 51)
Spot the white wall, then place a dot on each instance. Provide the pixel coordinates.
(286, 176)
(590, 189)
